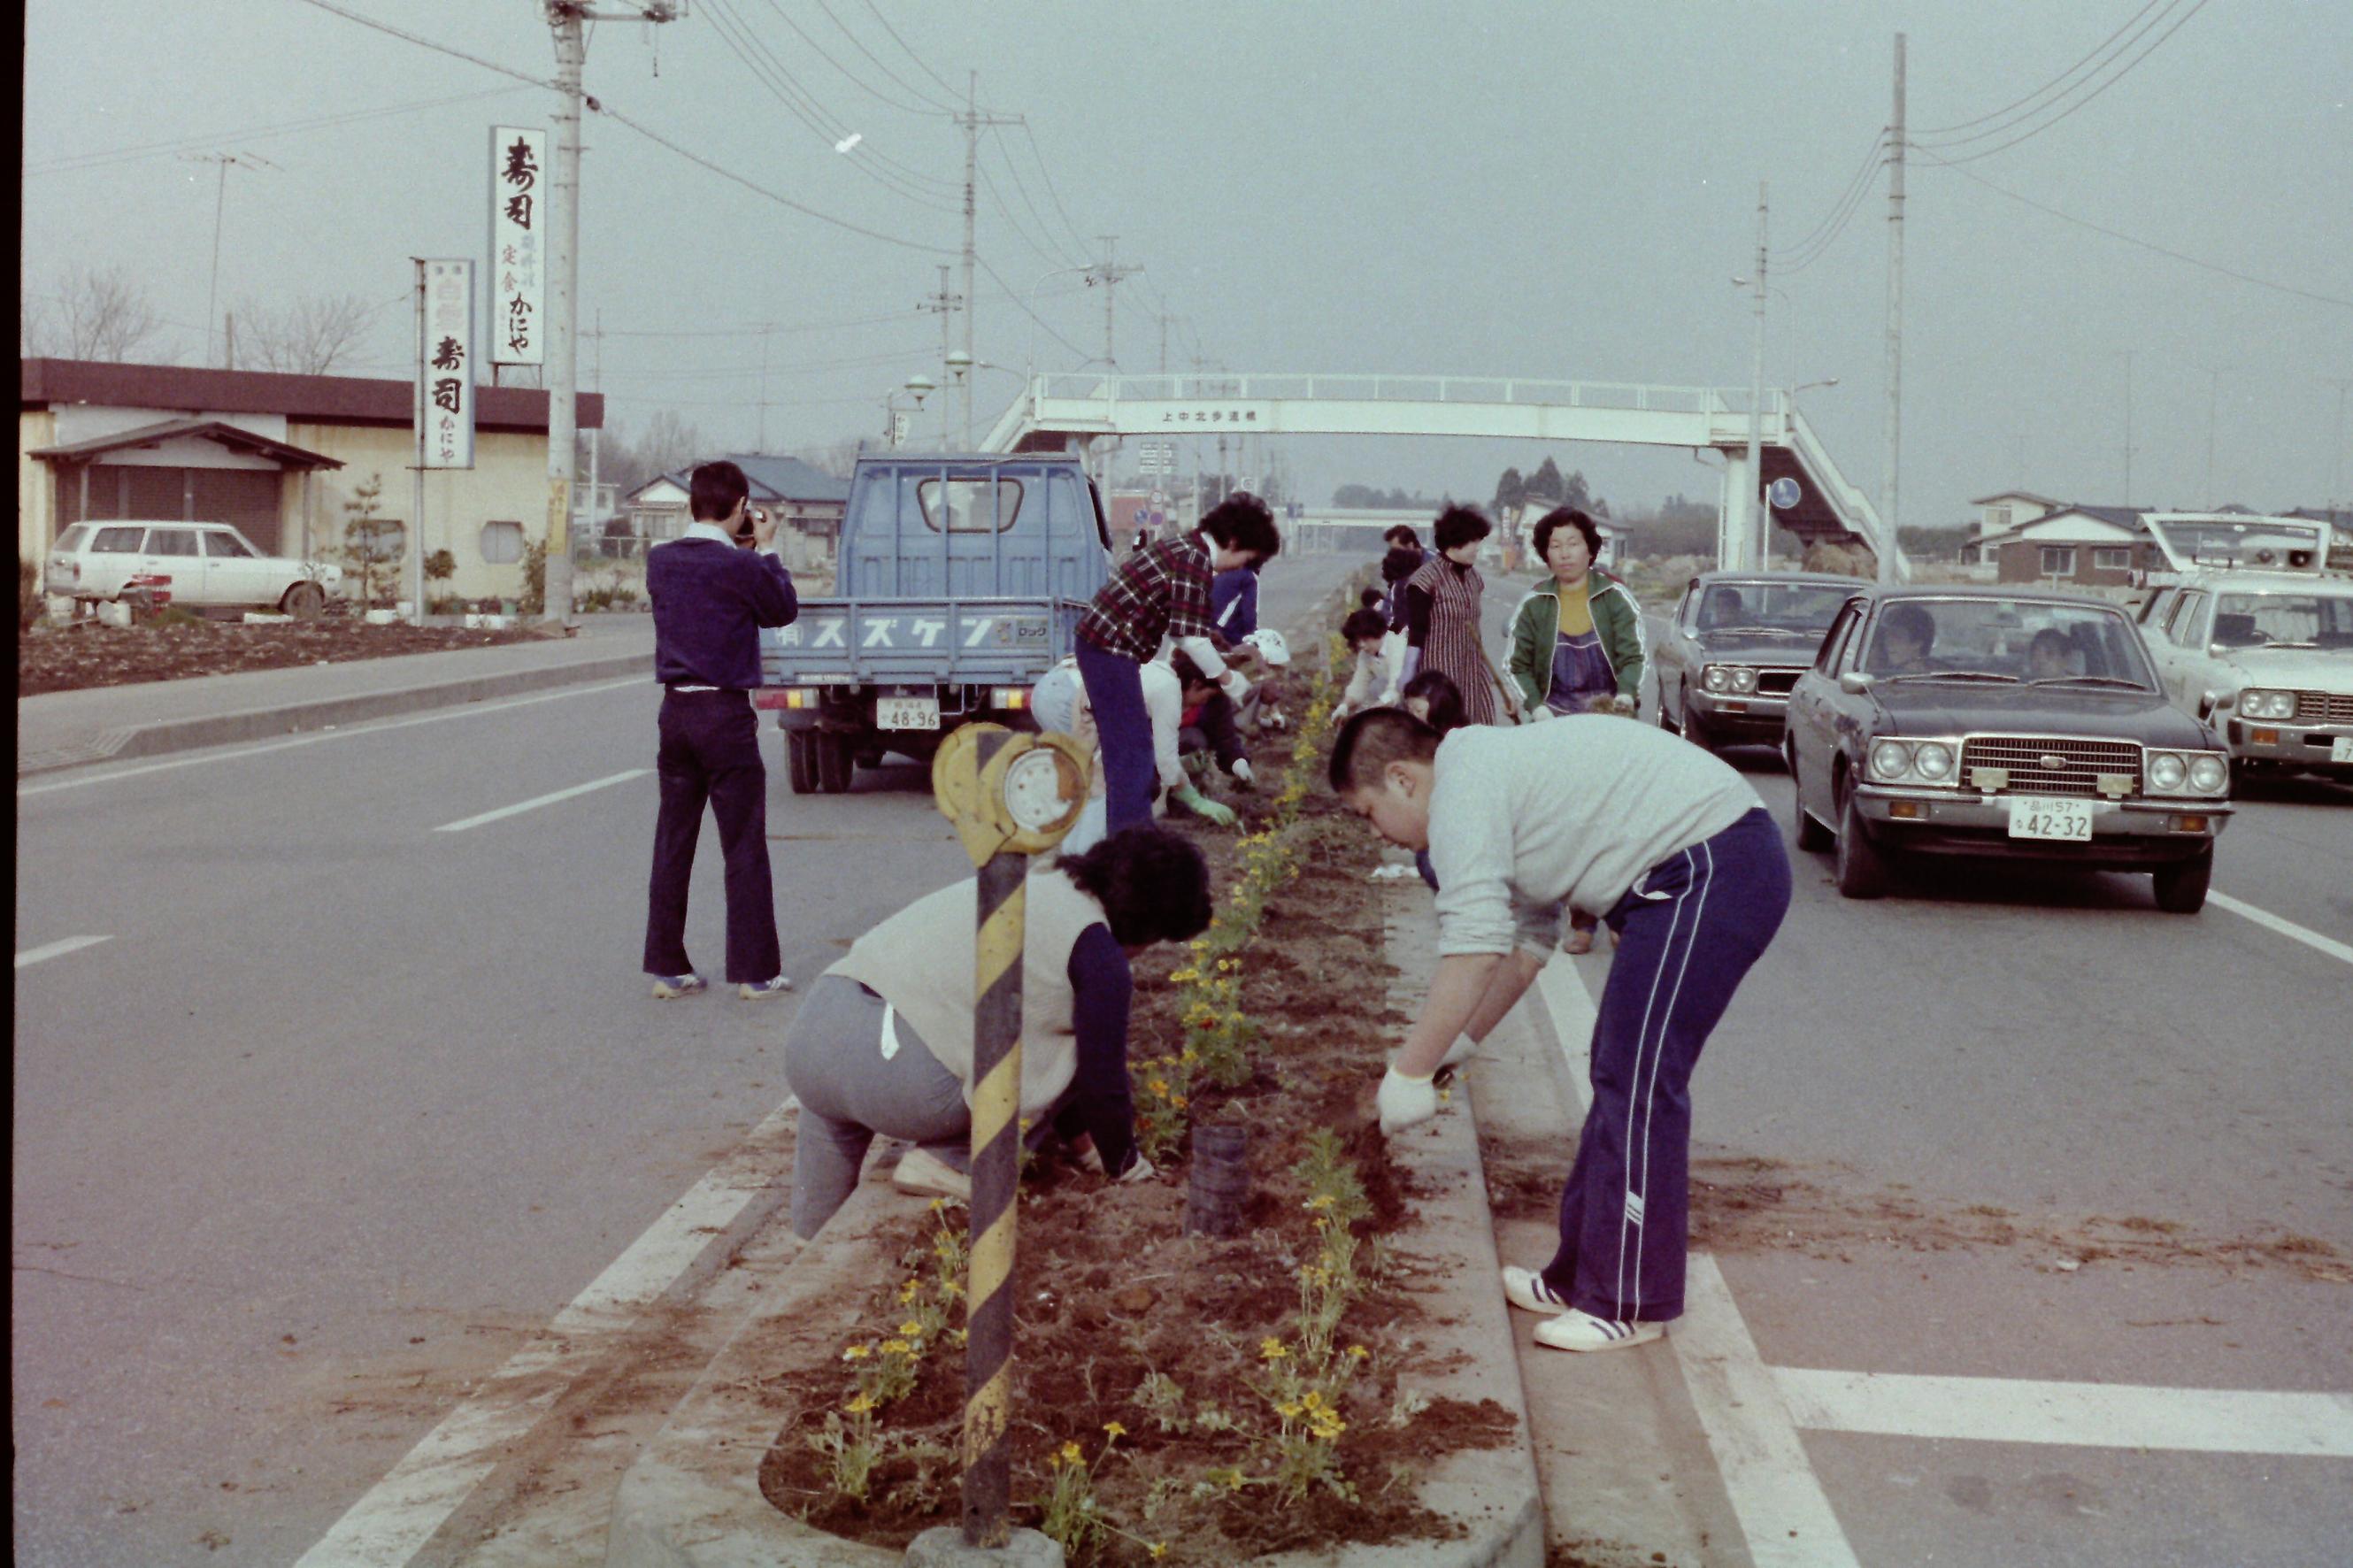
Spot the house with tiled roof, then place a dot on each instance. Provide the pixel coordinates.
(809, 504)
(2078, 544)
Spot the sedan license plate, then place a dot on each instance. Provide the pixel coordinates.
(907, 712)
(2040, 817)
(2340, 749)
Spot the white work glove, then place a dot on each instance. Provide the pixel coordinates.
(1538, 712)
(1242, 771)
(1622, 705)
(1405, 1102)
(1235, 688)
(1140, 1170)
(1388, 699)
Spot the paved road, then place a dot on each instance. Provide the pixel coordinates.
(346, 1108)
(1998, 1051)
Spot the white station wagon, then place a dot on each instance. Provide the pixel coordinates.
(198, 564)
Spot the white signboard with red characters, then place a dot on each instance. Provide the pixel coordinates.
(518, 277)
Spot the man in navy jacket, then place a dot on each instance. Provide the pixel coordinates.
(713, 589)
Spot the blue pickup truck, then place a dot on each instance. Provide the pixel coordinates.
(962, 581)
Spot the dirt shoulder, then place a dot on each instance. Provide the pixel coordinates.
(86, 653)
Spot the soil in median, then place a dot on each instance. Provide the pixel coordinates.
(86, 653)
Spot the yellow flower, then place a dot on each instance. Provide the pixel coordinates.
(1159, 1548)
(1313, 1401)
(1288, 1411)
(858, 1404)
(1176, 1102)
(857, 1352)
(907, 1292)
(1070, 1455)
(896, 1347)
(1320, 1201)
(1270, 1349)
(1114, 1428)
(1357, 1353)
(911, 1330)
(1159, 1085)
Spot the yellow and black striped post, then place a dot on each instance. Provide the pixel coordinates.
(1011, 795)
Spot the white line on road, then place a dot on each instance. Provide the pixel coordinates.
(2090, 1414)
(58, 949)
(534, 804)
(400, 1514)
(1776, 1497)
(2289, 928)
(465, 711)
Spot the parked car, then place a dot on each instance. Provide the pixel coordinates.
(1736, 645)
(2019, 725)
(962, 579)
(2267, 657)
(204, 564)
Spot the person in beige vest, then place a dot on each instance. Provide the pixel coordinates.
(884, 1042)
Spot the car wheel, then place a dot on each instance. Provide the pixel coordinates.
(304, 601)
(1812, 837)
(1862, 867)
(2181, 886)
(1666, 721)
(800, 760)
(834, 759)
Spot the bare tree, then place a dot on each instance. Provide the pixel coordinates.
(835, 459)
(97, 313)
(305, 337)
(668, 442)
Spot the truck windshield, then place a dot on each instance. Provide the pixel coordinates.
(966, 506)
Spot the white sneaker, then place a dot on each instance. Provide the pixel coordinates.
(1575, 1330)
(920, 1171)
(1527, 1292)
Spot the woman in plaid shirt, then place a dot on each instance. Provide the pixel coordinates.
(1161, 592)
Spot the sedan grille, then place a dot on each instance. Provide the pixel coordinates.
(1776, 682)
(2325, 707)
(2030, 759)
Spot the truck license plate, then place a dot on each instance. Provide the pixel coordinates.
(2340, 749)
(2040, 816)
(907, 712)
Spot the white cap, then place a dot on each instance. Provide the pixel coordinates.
(1270, 645)
(1055, 699)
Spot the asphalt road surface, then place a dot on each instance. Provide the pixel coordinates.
(347, 1108)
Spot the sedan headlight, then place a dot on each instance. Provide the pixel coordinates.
(1933, 761)
(1716, 678)
(1744, 680)
(2209, 774)
(1890, 760)
(2258, 704)
(2167, 771)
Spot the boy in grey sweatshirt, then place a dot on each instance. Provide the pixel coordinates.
(1676, 851)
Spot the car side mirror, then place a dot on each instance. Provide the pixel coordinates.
(1855, 683)
(2206, 703)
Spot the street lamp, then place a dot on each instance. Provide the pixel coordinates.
(917, 386)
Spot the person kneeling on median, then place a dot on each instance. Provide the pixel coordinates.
(1676, 852)
(884, 1043)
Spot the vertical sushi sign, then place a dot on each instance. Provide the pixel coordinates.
(445, 364)
(518, 279)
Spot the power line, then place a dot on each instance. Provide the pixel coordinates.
(832, 126)
(927, 111)
(2132, 239)
(1077, 234)
(758, 329)
(423, 42)
(2054, 81)
(911, 54)
(1014, 222)
(2128, 68)
(1826, 230)
(82, 161)
(1033, 315)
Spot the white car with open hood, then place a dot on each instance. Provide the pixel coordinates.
(203, 565)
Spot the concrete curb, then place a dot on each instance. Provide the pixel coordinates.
(289, 719)
(692, 1499)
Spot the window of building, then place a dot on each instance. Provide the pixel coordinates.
(2111, 560)
(1997, 519)
(2058, 560)
(501, 543)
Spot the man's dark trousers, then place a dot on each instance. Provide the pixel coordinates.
(1692, 927)
(710, 751)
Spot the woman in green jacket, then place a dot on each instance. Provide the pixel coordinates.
(1577, 641)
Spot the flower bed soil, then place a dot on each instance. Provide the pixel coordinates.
(1110, 1290)
(86, 654)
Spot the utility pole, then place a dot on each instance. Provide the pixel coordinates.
(2214, 413)
(973, 122)
(2337, 497)
(1165, 319)
(1108, 272)
(2128, 359)
(568, 20)
(944, 305)
(224, 161)
(1751, 535)
(1891, 485)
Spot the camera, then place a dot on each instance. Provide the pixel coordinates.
(752, 516)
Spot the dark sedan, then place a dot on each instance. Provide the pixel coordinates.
(1736, 645)
(1943, 721)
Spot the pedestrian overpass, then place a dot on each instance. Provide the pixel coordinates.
(1068, 411)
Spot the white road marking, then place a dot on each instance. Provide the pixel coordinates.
(1776, 1497)
(534, 804)
(400, 1514)
(2091, 1415)
(461, 711)
(2289, 928)
(58, 949)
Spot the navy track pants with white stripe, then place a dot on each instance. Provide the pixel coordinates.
(1689, 930)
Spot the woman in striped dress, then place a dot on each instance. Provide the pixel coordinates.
(1442, 614)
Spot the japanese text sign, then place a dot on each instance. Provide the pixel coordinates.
(518, 261)
(445, 366)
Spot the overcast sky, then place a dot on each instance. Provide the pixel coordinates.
(1536, 188)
